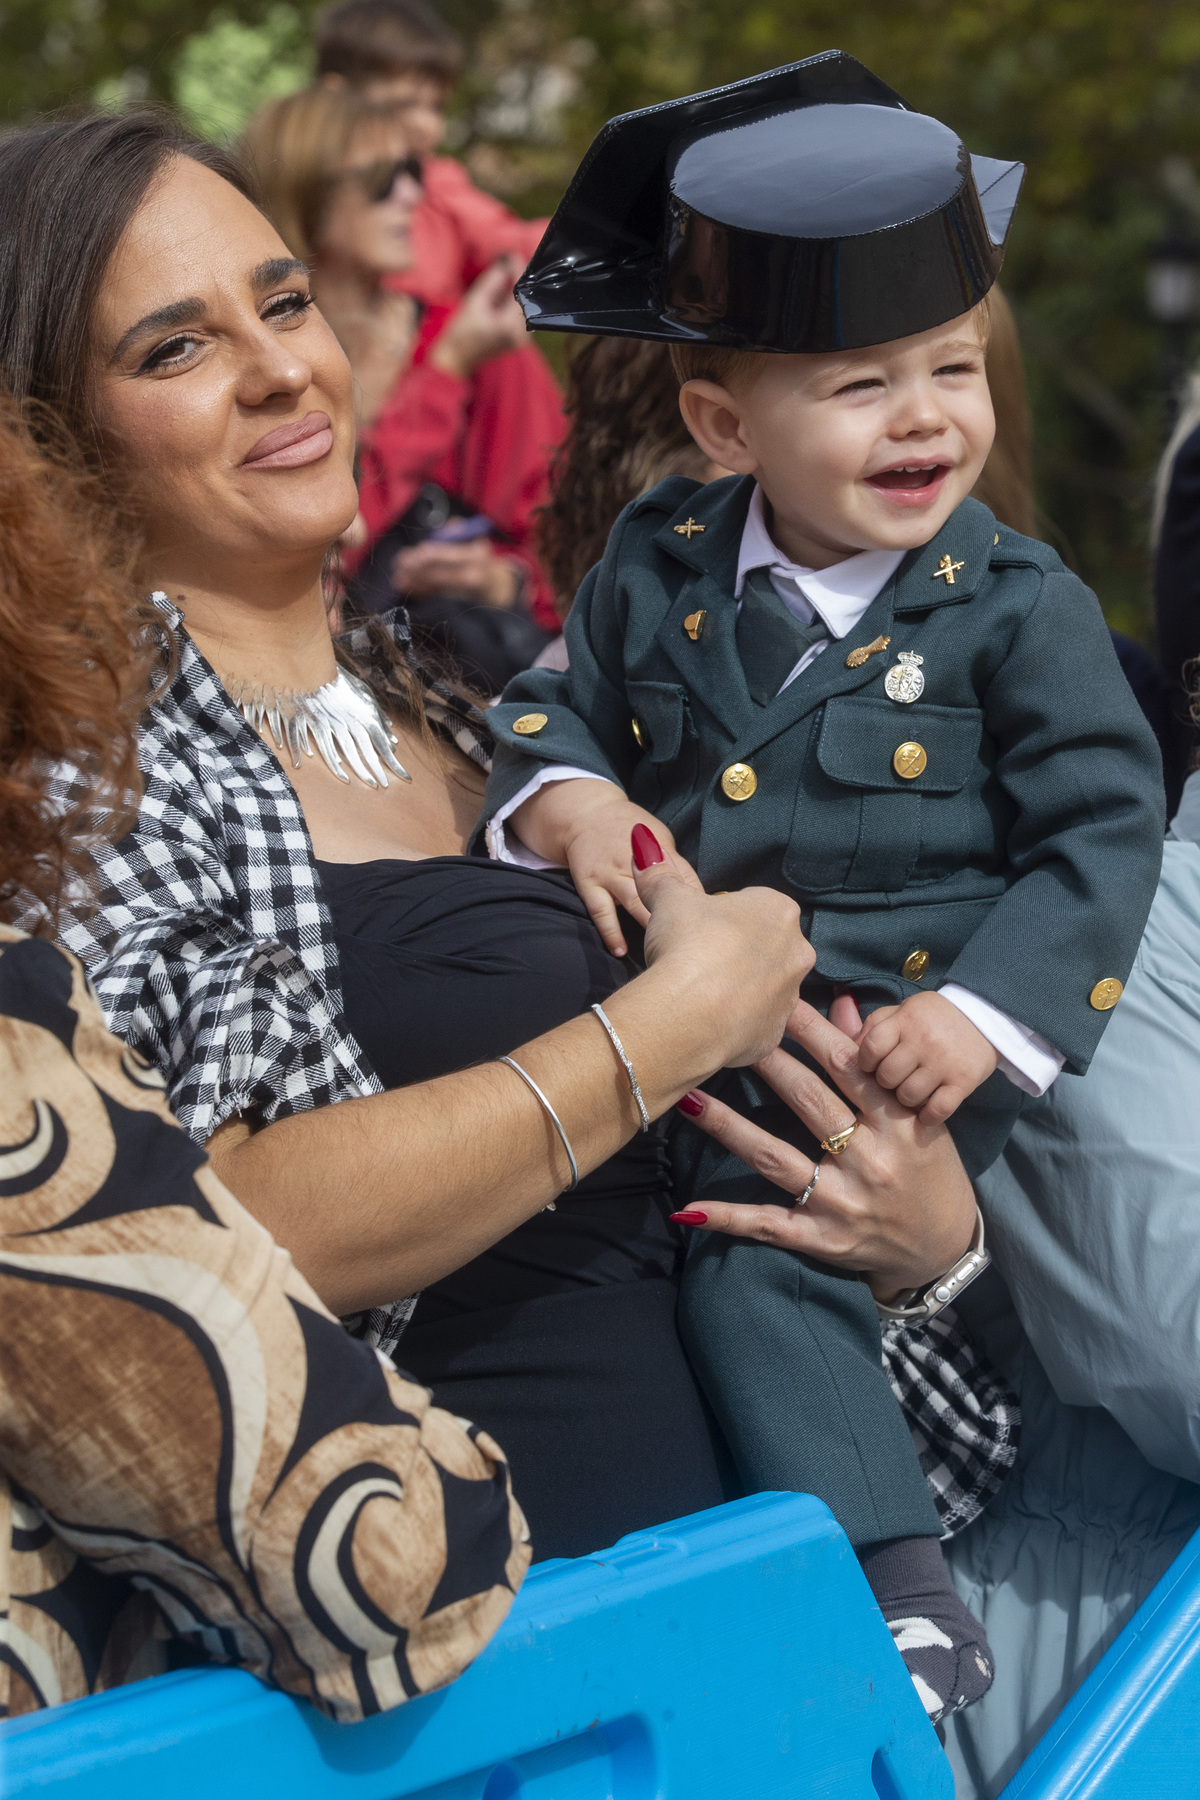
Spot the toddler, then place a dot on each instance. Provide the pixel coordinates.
(835, 673)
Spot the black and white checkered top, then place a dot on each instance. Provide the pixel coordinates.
(206, 933)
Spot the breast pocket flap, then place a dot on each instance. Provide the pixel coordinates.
(860, 738)
(659, 711)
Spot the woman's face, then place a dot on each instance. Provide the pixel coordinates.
(371, 203)
(222, 397)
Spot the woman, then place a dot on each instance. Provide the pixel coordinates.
(165, 1489)
(457, 416)
(182, 1423)
(277, 940)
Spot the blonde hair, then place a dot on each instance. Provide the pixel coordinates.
(722, 364)
(293, 148)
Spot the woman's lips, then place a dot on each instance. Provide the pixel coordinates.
(915, 486)
(304, 440)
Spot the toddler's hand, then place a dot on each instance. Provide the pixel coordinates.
(928, 1053)
(586, 824)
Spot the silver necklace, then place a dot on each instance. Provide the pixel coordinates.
(340, 719)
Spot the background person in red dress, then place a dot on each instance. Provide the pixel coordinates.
(458, 416)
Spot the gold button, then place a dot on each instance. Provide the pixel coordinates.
(694, 623)
(909, 761)
(915, 965)
(1105, 994)
(739, 781)
(529, 724)
(639, 734)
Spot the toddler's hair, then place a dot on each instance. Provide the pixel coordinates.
(369, 40)
(722, 364)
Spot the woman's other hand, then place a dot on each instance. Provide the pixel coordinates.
(896, 1205)
(732, 963)
(487, 323)
(476, 571)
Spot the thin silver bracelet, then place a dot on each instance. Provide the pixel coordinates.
(619, 1047)
(557, 1123)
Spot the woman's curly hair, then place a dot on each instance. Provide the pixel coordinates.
(627, 433)
(74, 665)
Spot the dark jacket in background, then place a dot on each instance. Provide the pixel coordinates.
(1177, 603)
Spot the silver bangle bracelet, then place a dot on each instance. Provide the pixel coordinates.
(553, 1117)
(938, 1295)
(619, 1047)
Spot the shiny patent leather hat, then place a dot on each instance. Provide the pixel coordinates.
(805, 209)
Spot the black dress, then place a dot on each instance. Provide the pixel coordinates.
(560, 1340)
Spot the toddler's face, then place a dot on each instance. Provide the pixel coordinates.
(858, 450)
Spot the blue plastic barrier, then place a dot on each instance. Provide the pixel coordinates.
(1132, 1731)
(735, 1655)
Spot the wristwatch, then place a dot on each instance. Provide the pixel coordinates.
(921, 1306)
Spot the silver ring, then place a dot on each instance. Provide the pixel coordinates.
(803, 1198)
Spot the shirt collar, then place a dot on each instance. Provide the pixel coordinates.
(840, 594)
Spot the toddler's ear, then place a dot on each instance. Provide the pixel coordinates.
(713, 415)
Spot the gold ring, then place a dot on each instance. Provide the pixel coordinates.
(836, 1142)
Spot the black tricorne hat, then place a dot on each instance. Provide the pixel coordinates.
(807, 209)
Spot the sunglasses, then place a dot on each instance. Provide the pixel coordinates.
(378, 178)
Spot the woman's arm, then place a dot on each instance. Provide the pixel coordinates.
(379, 1196)
(896, 1205)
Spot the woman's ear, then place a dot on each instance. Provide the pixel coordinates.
(713, 415)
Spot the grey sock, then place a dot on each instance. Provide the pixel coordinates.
(944, 1648)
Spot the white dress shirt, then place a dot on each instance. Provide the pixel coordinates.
(840, 595)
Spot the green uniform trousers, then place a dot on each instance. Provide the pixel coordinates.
(788, 1349)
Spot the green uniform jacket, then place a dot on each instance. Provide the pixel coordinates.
(1022, 859)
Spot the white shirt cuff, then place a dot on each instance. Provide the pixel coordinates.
(1030, 1063)
(502, 841)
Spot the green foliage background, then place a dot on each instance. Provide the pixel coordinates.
(1097, 96)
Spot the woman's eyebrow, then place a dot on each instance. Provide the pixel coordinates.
(189, 312)
(179, 312)
(277, 269)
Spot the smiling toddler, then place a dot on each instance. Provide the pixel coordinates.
(836, 674)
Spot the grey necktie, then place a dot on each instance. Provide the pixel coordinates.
(770, 640)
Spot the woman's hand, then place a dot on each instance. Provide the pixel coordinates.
(475, 571)
(487, 323)
(896, 1204)
(731, 964)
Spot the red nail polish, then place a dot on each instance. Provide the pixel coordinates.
(692, 1105)
(646, 848)
(689, 1218)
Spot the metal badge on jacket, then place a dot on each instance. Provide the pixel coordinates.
(904, 681)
